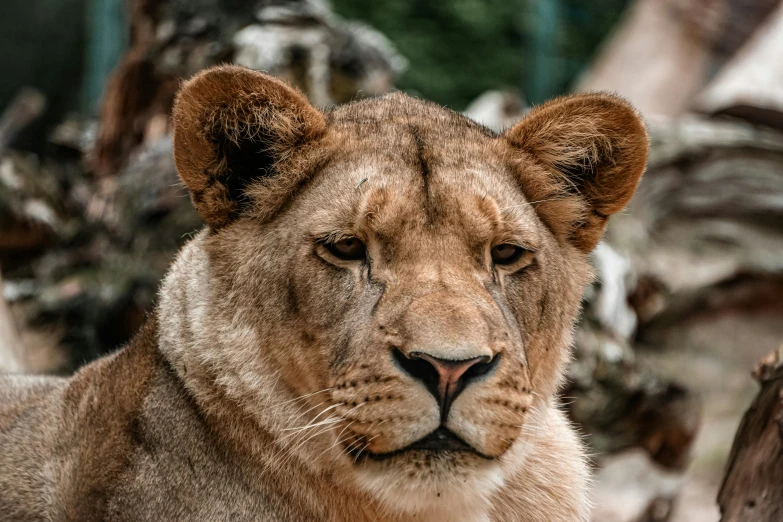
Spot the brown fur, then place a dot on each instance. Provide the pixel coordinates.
(596, 168)
(265, 388)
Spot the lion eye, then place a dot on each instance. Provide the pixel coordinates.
(348, 249)
(506, 254)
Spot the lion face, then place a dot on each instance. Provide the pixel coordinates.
(389, 288)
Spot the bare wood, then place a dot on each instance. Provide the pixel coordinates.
(753, 486)
(749, 86)
(708, 208)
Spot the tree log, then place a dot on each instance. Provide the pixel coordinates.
(752, 488)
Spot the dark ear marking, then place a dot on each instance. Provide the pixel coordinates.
(233, 128)
(246, 161)
(588, 153)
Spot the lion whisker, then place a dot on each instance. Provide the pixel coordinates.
(343, 431)
(336, 441)
(356, 459)
(303, 413)
(366, 442)
(312, 423)
(305, 396)
(328, 422)
(293, 448)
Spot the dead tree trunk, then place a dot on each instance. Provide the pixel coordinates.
(752, 489)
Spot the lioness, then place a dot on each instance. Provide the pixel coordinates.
(372, 326)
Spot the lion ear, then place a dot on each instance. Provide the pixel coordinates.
(593, 150)
(232, 127)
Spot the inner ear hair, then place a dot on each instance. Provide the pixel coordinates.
(246, 156)
(233, 127)
(588, 154)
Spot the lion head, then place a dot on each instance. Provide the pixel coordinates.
(386, 290)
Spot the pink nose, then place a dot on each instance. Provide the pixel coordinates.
(444, 378)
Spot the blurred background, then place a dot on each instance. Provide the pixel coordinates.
(690, 290)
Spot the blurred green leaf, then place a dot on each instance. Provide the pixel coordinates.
(460, 48)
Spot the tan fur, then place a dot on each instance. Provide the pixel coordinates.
(264, 387)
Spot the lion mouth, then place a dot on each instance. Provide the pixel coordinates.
(441, 440)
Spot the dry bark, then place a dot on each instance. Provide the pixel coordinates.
(619, 404)
(752, 488)
(703, 231)
(749, 85)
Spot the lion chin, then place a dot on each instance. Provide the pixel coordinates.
(444, 485)
(423, 480)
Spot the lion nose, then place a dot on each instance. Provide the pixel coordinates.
(444, 378)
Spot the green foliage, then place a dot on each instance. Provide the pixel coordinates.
(459, 48)
(456, 49)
